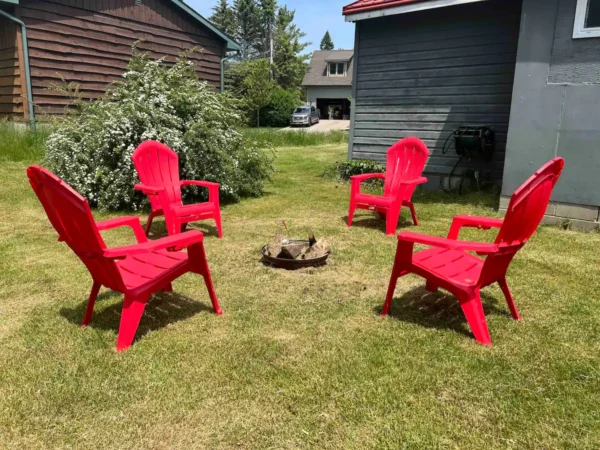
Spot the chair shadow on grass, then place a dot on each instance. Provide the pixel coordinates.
(373, 221)
(159, 228)
(162, 309)
(438, 310)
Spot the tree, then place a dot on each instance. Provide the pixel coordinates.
(248, 27)
(224, 18)
(290, 63)
(327, 42)
(268, 9)
(258, 86)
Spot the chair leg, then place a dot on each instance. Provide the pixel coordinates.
(509, 299)
(91, 302)
(169, 288)
(200, 266)
(413, 213)
(397, 272)
(391, 221)
(218, 223)
(133, 308)
(149, 223)
(473, 310)
(351, 212)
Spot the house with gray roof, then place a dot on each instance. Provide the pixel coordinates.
(328, 82)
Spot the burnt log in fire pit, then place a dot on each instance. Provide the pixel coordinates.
(292, 254)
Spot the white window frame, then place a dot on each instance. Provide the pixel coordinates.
(579, 30)
(329, 74)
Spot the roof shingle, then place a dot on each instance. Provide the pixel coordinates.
(316, 73)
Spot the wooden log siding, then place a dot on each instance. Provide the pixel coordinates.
(427, 73)
(89, 43)
(11, 102)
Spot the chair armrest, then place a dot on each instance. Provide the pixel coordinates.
(213, 188)
(178, 241)
(481, 223)
(148, 190)
(415, 181)
(206, 184)
(366, 176)
(127, 221)
(479, 247)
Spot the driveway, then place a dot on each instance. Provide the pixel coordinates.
(322, 127)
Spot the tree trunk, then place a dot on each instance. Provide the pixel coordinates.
(258, 118)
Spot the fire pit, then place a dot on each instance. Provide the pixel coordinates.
(292, 254)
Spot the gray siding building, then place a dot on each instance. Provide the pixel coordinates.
(529, 69)
(328, 83)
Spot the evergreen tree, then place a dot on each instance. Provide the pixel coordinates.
(248, 28)
(268, 10)
(327, 42)
(224, 18)
(289, 62)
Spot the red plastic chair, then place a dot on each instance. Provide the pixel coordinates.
(448, 265)
(158, 168)
(137, 271)
(405, 163)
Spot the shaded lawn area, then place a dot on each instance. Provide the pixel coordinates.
(299, 359)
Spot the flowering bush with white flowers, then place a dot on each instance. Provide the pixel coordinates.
(91, 148)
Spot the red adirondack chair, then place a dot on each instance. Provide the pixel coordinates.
(448, 265)
(137, 271)
(158, 168)
(405, 163)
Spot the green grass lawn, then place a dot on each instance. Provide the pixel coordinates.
(299, 359)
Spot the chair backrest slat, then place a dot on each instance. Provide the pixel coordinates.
(158, 166)
(72, 218)
(406, 160)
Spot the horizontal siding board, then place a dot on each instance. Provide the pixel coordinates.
(425, 74)
(79, 36)
(473, 50)
(10, 90)
(11, 109)
(73, 53)
(418, 127)
(473, 89)
(440, 45)
(493, 68)
(122, 29)
(471, 80)
(439, 63)
(419, 27)
(89, 44)
(432, 109)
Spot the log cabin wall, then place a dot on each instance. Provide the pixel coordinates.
(11, 101)
(89, 43)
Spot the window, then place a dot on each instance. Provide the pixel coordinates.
(337, 69)
(587, 19)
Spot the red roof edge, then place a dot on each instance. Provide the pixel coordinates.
(373, 5)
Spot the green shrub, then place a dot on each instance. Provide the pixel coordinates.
(347, 169)
(273, 137)
(279, 110)
(91, 149)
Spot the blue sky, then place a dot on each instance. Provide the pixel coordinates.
(314, 17)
